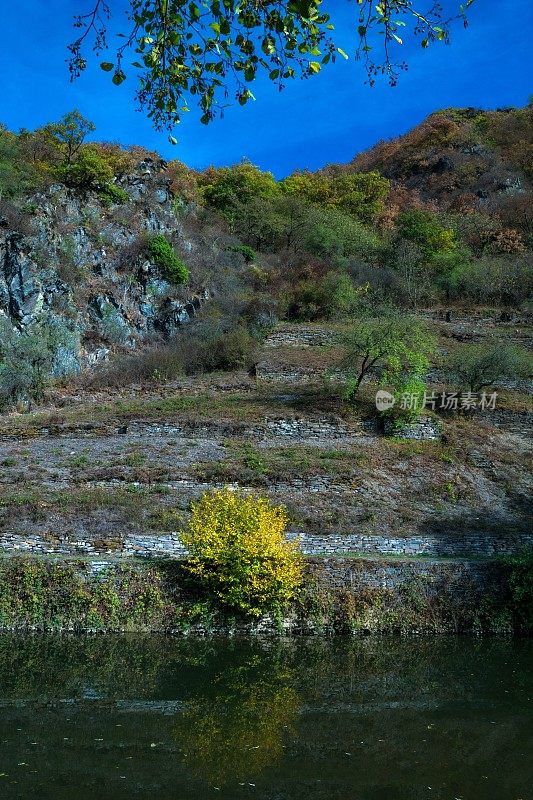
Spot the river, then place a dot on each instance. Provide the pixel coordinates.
(121, 717)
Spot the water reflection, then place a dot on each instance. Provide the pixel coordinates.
(239, 725)
(340, 719)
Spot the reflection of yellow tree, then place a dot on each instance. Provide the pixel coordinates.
(238, 732)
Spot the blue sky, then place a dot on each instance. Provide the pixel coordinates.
(325, 119)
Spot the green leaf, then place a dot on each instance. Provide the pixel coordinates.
(172, 140)
(314, 66)
(268, 45)
(194, 11)
(342, 53)
(118, 78)
(106, 66)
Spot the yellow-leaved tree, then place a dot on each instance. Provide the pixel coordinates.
(238, 552)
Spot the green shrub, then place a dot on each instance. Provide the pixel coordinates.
(89, 171)
(333, 233)
(195, 349)
(164, 257)
(234, 348)
(113, 194)
(225, 188)
(238, 553)
(16, 174)
(92, 170)
(332, 296)
(248, 252)
(477, 366)
(34, 592)
(425, 229)
(28, 359)
(520, 585)
(491, 279)
(211, 347)
(408, 394)
(360, 194)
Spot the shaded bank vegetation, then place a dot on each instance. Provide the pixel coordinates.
(159, 596)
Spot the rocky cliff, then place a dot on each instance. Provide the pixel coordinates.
(71, 263)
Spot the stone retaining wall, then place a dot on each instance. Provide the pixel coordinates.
(317, 429)
(464, 581)
(168, 545)
(359, 574)
(301, 336)
(520, 422)
(423, 429)
(449, 546)
(286, 427)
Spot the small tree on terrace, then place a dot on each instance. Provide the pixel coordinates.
(480, 365)
(415, 278)
(391, 344)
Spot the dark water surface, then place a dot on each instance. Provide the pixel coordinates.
(119, 718)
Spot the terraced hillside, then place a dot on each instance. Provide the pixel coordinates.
(164, 331)
(110, 474)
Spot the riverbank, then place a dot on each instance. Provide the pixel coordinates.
(349, 595)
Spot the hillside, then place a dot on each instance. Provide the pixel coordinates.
(440, 215)
(166, 331)
(461, 158)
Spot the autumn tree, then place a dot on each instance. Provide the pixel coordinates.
(71, 132)
(238, 552)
